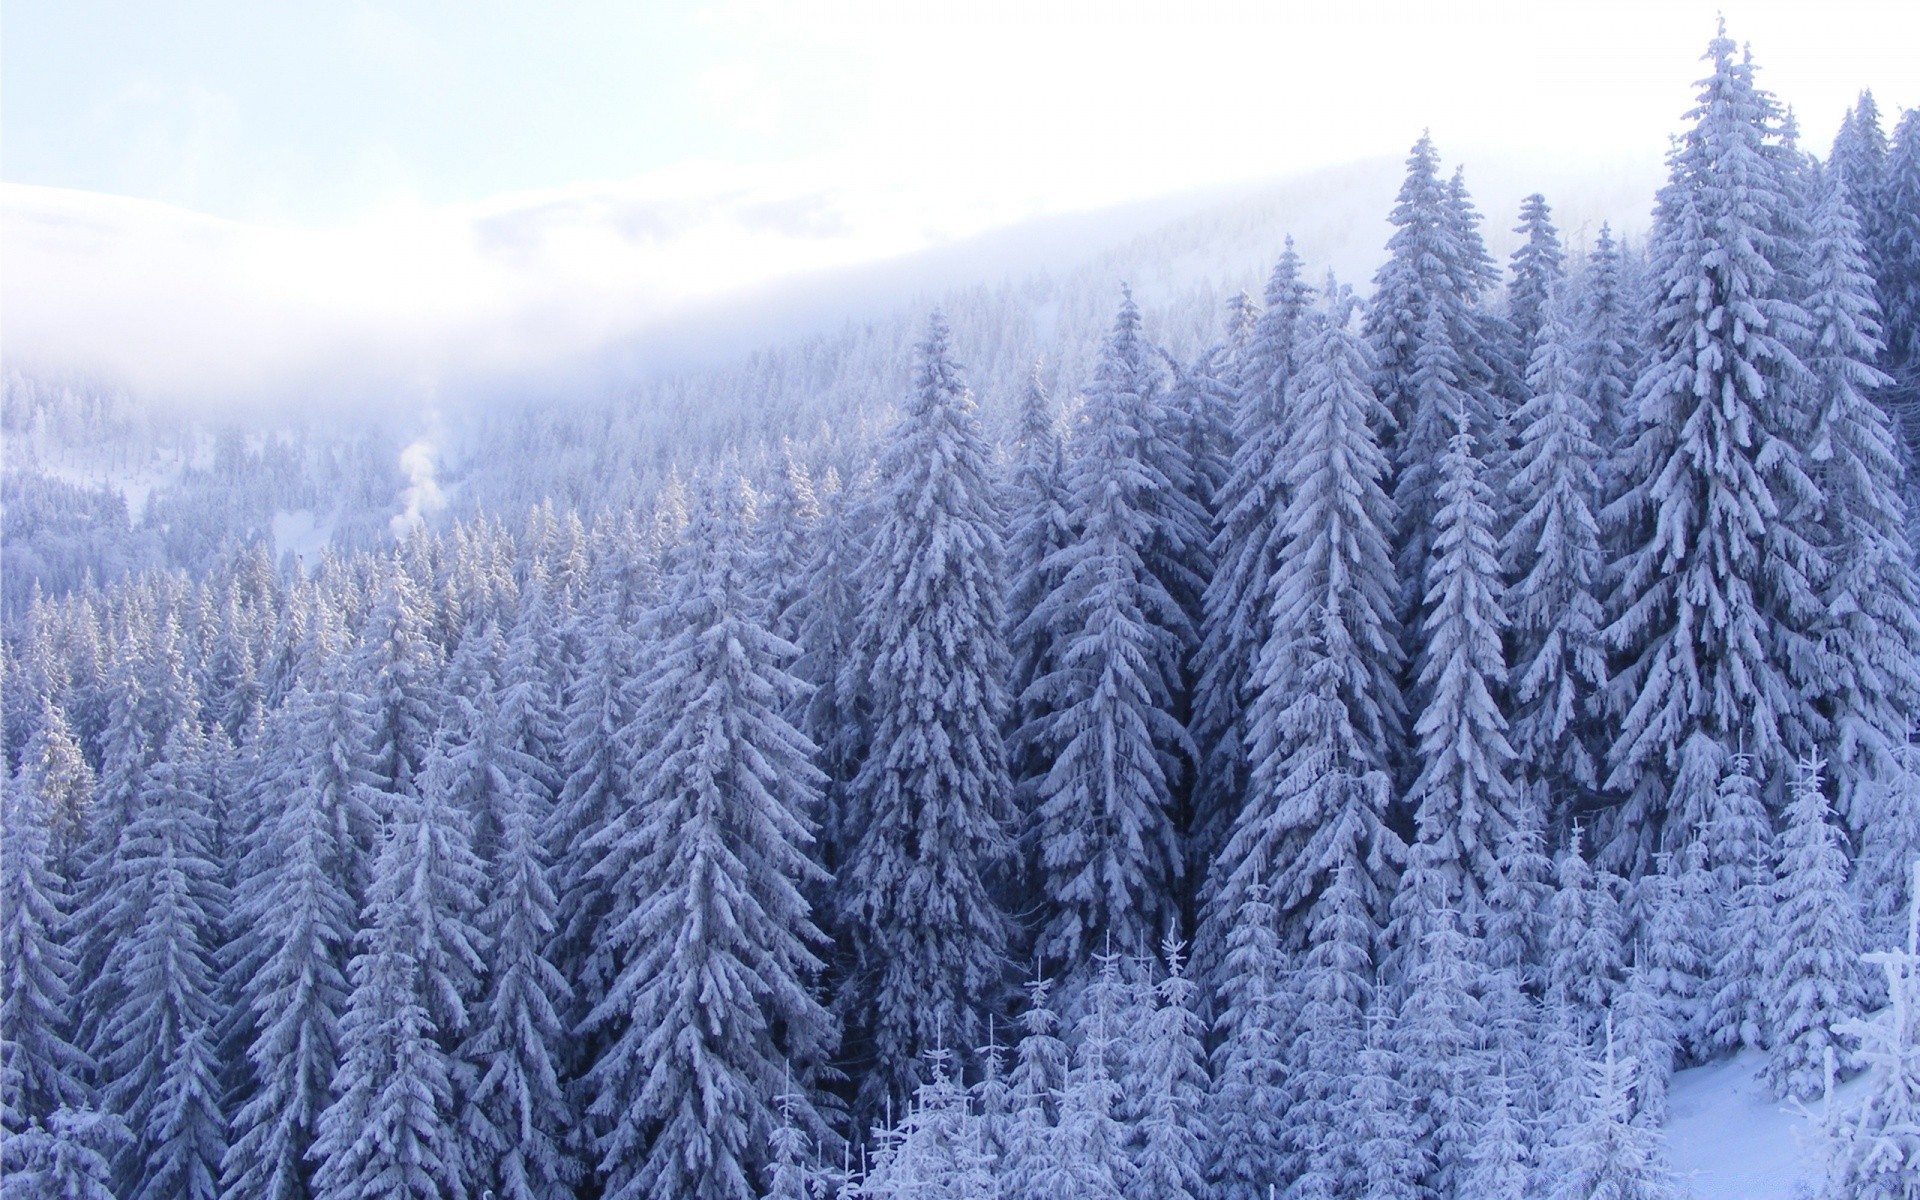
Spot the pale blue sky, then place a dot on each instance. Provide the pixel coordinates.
(236, 191)
(316, 111)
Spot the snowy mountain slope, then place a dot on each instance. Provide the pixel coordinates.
(1729, 1139)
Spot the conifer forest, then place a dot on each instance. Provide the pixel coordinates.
(1359, 754)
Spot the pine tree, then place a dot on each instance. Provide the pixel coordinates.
(1037, 1083)
(1090, 1160)
(1038, 529)
(69, 1159)
(1103, 826)
(1712, 604)
(933, 791)
(516, 1117)
(1465, 804)
(1859, 154)
(56, 770)
(713, 998)
(1877, 1155)
(41, 1070)
(1812, 977)
(1237, 604)
(1553, 556)
(1646, 1037)
(1603, 1154)
(1437, 1040)
(1249, 1087)
(1894, 251)
(400, 668)
(156, 1049)
(1336, 989)
(391, 1128)
(1606, 359)
(1682, 921)
(1388, 1163)
(1502, 1152)
(295, 912)
(1873, 684)
(1538, 267)
(1171, 1139)
(1327, 708)
(1584, 955)
(1740, 852)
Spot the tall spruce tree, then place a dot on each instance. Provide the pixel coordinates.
(1237, 604)
(1871, 679)
(41, 1071)
(1554, 560)
(929, 940)
(392, 1126)
(1327, 710)
(156, 1049)
(1538, 267)
(1708, 610)
(1103, 827)
(1812, 972)
(1465, 803)
(714, 997)
(296, 909)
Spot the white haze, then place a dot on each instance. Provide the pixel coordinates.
(584, 289)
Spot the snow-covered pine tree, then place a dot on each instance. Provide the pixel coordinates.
(70, 1158)
(1335, 990)
(1553, 557)
(1171, 1140)
(1707, 616)
(1037, 1083)
(1327, 712)
(1682, 920)
(1602, 1154)
(1606, 359)
(392, 1123)
(1812, 972)
(594, 795)
(1103, 825)
(515, 1118)
(1236, 608)
(1872, 680)
(399, 666)
(1038, 529)
(1440, 401)
(933, 793)
(1386, 1159)
(56, 770)
(784, 530)
(156, 1049)
(1249, 1097)
(1585, 960)
(1894, 251)
(713, 999)
(1090, 1160)
(1179, 530)
(1538, 267)
(837, 705)
(1502, 1151)
(41, 1070)
(1465, 803)
(296, 908)
(935, 1152)
(1646, 1036)
(1416, 280)
(1859, 154)
(1877, 1155)
(1740, 853)
(1438, 1039)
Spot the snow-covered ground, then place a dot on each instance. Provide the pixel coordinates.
(1729, 1139)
